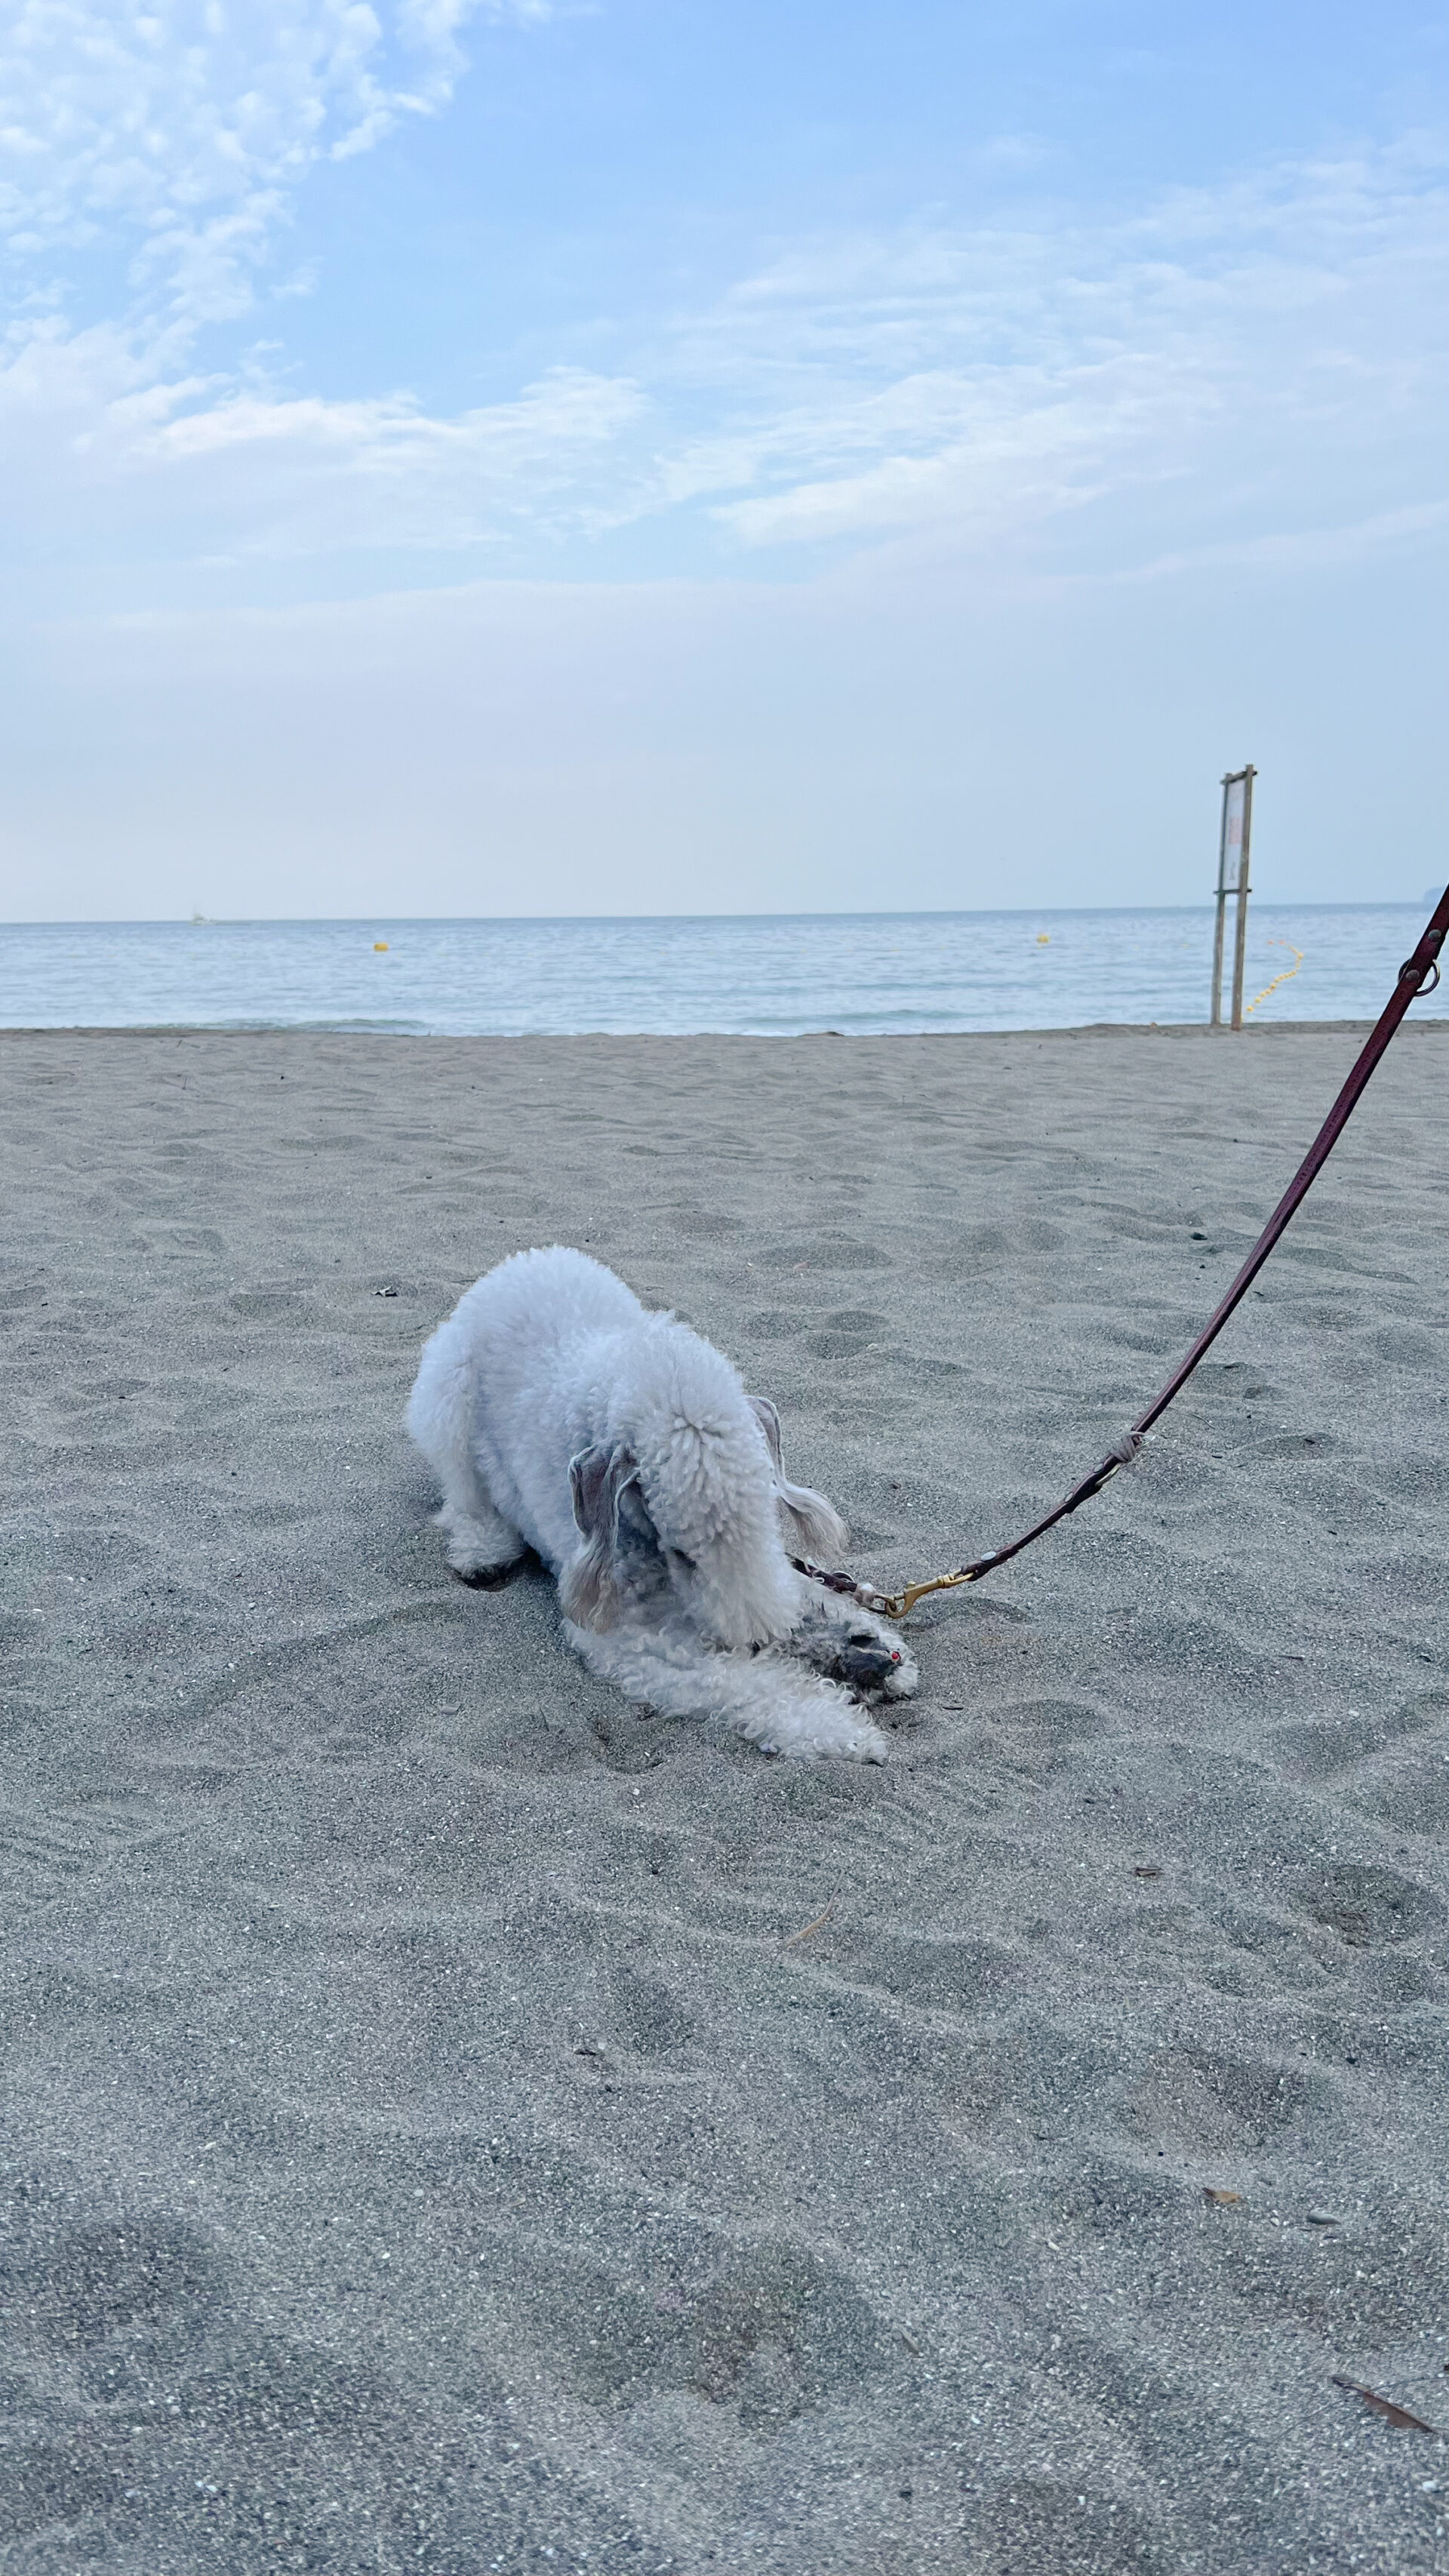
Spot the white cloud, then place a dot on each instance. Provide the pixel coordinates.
(1301, 549)
(185, 126)
(980, 379)
(1246, 367)
(212, 470)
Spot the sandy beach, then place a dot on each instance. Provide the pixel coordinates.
(426, 2145)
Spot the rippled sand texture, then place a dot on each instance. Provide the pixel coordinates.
(422, 2151)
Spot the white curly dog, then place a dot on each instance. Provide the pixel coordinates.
(560, 1415)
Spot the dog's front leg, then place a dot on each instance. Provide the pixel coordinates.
(764, 1697)
(482, 1545)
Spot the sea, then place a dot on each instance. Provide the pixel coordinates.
(770, 975)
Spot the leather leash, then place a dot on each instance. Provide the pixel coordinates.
(1418, 974)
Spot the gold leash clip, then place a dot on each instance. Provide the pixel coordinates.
(898, 1605)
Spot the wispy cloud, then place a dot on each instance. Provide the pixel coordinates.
(1224, 368)
(185, 126)
(209, 469)
(981, 379)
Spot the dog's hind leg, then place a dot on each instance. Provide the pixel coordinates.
(764, 1697)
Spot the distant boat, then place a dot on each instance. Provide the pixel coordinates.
(201, 916)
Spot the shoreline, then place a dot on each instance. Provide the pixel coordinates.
(692, 1037)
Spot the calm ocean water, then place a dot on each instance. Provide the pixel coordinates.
(771, 975)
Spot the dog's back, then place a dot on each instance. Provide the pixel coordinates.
(541, 1299)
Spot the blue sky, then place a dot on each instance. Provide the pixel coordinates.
(648, 456)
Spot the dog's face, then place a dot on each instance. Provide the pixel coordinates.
(693, 1521)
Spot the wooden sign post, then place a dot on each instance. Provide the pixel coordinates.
(1233, 838)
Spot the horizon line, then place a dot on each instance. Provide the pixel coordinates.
(543, 920)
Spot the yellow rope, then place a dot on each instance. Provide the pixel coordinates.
(1285, 978)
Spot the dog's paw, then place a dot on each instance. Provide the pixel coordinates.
(855, 1740)
(904, 1678)
(865, 1743)
(816, 1732)
(481, 1566)
(481, 1550)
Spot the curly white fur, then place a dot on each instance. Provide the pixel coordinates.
(560, 1415)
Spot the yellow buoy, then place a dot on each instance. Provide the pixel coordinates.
(1043, 939)
(378, 947)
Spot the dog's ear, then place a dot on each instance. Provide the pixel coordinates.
(597, 1479)
(814, 1524)
(769, 1422)
(808, 1521)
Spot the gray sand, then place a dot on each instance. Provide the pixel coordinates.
(422, 2151)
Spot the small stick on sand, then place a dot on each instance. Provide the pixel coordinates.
(1392, 2414)
(807, 1928)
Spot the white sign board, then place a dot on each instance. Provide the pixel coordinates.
(1230, 857)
